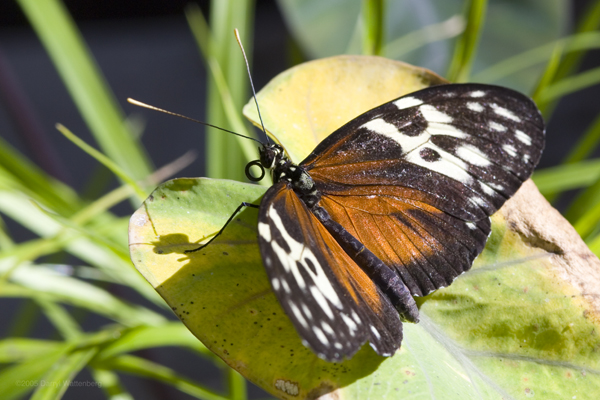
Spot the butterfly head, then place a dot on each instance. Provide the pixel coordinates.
(271, 155)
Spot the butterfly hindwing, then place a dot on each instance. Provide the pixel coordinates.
(417, 178)
(334, 306)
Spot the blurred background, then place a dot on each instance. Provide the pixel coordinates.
(146, 50)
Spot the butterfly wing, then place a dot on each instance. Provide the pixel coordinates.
(417, 178)
(333, 305)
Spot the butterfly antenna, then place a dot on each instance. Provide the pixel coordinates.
(140, 104)
(237, 37)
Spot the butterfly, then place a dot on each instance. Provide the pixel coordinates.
(394, 204)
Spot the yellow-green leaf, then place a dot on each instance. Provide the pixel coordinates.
(521, 323)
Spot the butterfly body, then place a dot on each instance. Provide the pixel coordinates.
(394, 204)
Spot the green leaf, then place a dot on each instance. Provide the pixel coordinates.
(512, 326)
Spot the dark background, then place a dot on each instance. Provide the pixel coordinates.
(146, 51)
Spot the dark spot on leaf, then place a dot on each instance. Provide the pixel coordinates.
(225, 253)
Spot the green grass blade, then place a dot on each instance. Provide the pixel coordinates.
(569, 85)
(45, 189)
(139, 366)
(60, 318)
(588, 221)
(560, 86)
(579, 208)
(538, 55)
(448, 29)
(224, 159)
(590, 22)
(236, 385)
(594, 245)
(20, 209)
(143, 337)
(549, 72)
(220, 140)
(466, 45)
(19, 379)
(373, 23)
(586, 144)
(111, 385)
(14, 350)
(104, 160)
(57, 381)
(85, 83)
(34, 282)
(554, 180)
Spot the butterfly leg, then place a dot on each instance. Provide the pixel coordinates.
(237, 210)
(387, 280)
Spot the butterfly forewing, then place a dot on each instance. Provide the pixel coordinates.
(416, 179)
(334, 306)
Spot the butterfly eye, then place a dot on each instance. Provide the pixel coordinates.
(249, 174)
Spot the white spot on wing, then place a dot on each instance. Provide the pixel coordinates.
(495, 186)
(320, 335)
(350, 323)
(523, 137)
(299, 255)
(380, 127)
(496, 126)
(448, 165)
(275, 283)
(504, 112)
(320, 299)
(471, 226)
(407, 102)
(477, 93)
(264, 231)
(375, 332)
(473, 155)
(487, 189)
(435, 128)
(286, 287)
(477, 107)
(510, 149)
(327, 328)
(298, 315)
(478, 201)
(430, 114)
(306, 311)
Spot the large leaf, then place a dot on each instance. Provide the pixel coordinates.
(517, 324)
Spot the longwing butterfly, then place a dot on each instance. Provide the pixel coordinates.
(394, 204)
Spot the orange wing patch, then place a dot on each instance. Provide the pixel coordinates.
(427, 247)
